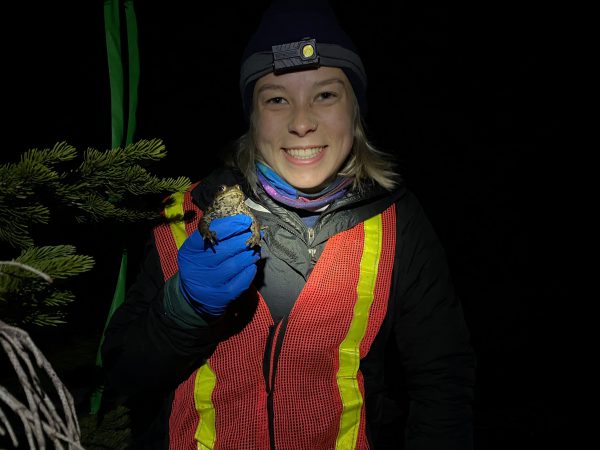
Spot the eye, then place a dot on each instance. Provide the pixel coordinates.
(222, 188)
(276, 101)
(327, 95)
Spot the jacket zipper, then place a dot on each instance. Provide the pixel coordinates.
(272, 351)
(288, 228)
(312, 251)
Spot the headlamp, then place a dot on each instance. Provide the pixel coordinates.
(295, 55)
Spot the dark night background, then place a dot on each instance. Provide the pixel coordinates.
(466, 95)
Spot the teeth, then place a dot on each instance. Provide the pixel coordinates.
(304, 153)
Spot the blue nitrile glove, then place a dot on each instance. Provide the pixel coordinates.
(211, 277)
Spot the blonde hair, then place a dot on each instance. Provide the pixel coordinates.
(364, 163)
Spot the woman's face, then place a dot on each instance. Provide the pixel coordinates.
(304, 125)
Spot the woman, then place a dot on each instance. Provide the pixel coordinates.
(284, 345)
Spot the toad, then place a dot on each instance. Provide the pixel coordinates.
(229, 201)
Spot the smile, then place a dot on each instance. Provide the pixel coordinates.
(304, 153)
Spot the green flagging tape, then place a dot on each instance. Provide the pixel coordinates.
(115, 68)
(118, 299)
(134, 68)
(112, 27)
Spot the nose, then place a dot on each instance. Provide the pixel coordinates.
(302, 121)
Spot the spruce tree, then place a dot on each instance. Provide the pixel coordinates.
(88, 186)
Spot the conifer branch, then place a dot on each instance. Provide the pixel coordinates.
(88, 186)
(103, 185)
(26, 267)
(38, 303)
(58, 261)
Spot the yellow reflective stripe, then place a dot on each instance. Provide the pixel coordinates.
(203, 388)
(173, 210)
(349, 352)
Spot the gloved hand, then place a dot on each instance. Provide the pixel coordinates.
(211, 277)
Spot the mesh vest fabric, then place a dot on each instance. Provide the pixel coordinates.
(168, 236)
(316, 403)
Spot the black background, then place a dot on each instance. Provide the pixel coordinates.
(466, 95)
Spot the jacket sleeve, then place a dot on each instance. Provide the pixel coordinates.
(149, 344)
(433, 339)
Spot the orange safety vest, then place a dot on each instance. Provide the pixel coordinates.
(313, 397)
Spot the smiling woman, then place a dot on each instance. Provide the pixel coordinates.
(289, 343)
(363, 163)
(304, 125)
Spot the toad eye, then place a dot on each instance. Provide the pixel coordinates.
(222, 188)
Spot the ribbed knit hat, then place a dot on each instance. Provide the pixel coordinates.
(296, 35)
